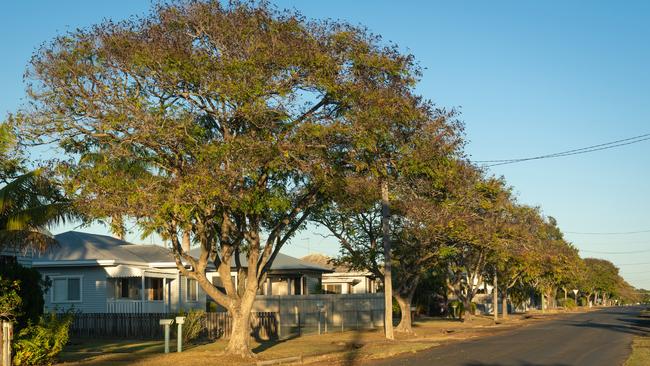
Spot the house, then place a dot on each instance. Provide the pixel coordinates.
(100, 274)
(342, 279)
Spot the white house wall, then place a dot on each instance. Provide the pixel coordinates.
(93, 289)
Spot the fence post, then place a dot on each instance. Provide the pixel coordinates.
(357, 318)
(325, 321)
(279, 314)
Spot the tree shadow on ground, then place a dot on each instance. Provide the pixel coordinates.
(270, 343)
(355, 345)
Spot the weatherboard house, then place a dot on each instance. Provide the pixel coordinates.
(101, 274)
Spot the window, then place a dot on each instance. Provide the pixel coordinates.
(333, 289)
(216, 281)
(66, 289)
(128, 288)
(154, 288)
(192, 290)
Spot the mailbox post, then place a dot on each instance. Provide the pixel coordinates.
(320, 307)
(180, 320)
(7, 336)
(166, 323)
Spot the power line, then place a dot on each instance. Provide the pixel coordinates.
(631, 252)
(617, 243)
(639, 272)
(583, 150)
(607, 233)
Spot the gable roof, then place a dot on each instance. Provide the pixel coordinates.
(325, 261)
(79, 247)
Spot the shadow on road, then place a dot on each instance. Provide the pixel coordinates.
(517, 364)
(633, 324)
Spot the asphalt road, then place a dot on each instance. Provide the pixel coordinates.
(600, 338)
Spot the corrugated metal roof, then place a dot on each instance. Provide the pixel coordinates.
(80, 246)
(282, 262)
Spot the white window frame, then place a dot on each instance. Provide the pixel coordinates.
(81, 289)
(187, 286)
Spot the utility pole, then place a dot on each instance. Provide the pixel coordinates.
(388, 278)
(495, 297)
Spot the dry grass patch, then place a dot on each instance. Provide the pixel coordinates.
(640, 355)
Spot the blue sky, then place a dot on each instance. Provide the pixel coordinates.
(530, 78)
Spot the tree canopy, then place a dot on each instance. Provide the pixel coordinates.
(227, 127)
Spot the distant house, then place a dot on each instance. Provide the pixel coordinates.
(342, 279)
(101, 274)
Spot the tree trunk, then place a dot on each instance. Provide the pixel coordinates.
(404, 302)
(495, 298)
(467, 305)
(388, 278)
(504, 304)
(186, 242)
(240, 338)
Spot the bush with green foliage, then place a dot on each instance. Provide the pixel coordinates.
(30, 289)
(459, 310)
(194, 324)
(10, 301)
(583, 301)
(39, 344)
(569, 303)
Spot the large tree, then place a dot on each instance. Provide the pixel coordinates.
(216, 124)
(478, 228)
(511, 262)
(600, 278)
(419, 177)
(556, 265)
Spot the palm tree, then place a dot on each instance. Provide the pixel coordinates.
(29, 204)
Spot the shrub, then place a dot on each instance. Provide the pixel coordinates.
(10, 301)
(30, 290)
(456, 308)
(194, 324)
(569, 303)
(460, 308)
(39, 344)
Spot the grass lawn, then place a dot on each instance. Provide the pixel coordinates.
(332, 348)
(640, 352)
(640, 355)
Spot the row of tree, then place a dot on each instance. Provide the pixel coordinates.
(229, 127)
